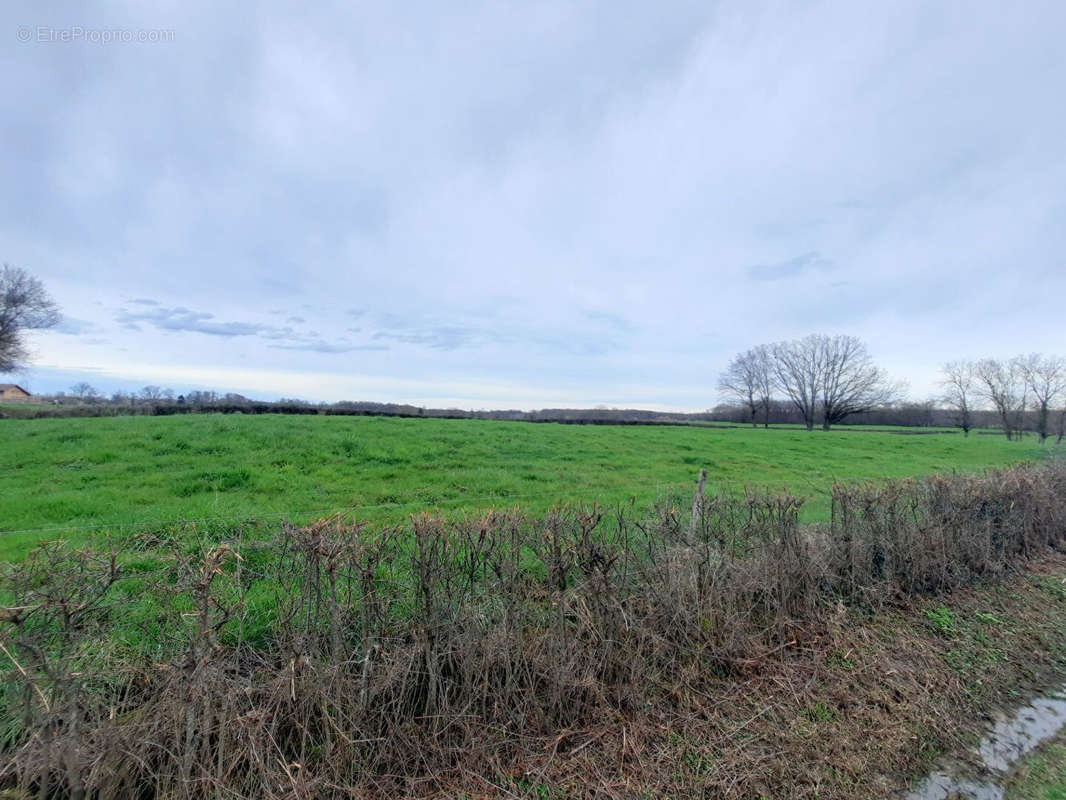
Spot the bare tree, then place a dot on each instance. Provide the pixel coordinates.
(850, 383)
(151, 393)
(1045, 378)
(1003, 384)
(199, 397)
(797, 373)
(84, 392)
(24, 305)
(833, 376)
(749, 379)
(960, 392)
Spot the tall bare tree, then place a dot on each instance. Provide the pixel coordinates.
(1002, 383)
(749, 380)
(850, 383)
(830, 376)
(797, 373)
(960, 392)
(24, 305)
(1045, 378)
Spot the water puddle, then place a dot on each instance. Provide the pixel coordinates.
(1012, 737)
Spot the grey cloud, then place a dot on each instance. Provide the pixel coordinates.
(327, 347)
(296, 320)
(443, 337)
(567, 340)
(73, 326)
(370, 163)
(615, 321)
(271, 333)
(390, 320)
(182, 319)
(847, 303)
(790, 268)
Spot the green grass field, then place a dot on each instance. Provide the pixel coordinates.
(121, 472)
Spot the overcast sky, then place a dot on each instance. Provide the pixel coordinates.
(492, 205)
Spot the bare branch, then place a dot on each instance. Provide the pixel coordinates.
(24, 305)
(960, 392)
(749, 379)
(1045, 379)
(1003, 385)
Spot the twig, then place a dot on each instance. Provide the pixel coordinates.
(33, 683)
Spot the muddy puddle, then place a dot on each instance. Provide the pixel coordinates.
(1012, 737)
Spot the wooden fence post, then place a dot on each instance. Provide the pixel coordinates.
(697, 503)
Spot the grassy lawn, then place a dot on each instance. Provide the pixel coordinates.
(124, 471)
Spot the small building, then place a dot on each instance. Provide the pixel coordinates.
(12, 393)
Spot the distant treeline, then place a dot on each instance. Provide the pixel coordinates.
(909, 414)
(68, 406)
(933, 414)
(819, 379)
(725, 415)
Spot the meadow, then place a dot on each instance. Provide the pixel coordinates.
(176, 652)
(517, 654)
(103, 475)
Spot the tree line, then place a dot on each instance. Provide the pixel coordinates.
(828, 379)
(823, 378)
(88, 394)
(1025, 393)
(817, 379)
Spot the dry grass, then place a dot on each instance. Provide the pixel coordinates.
(729, 652)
